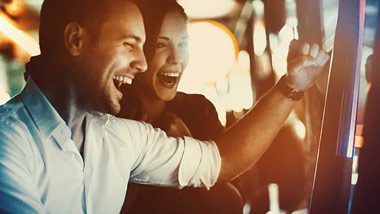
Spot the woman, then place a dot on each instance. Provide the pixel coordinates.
(153, 98)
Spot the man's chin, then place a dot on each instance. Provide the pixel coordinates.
(112, 108)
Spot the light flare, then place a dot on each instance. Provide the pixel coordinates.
(22, 39)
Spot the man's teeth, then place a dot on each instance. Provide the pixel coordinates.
(170, 74)
(123, 79)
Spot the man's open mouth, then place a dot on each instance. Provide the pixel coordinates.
(168, 80)
(120, 80)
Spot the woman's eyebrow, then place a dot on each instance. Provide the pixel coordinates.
(167, 38)
(163, 37)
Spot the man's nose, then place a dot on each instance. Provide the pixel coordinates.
(139, 64)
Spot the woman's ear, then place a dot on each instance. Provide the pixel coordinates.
(73, 36)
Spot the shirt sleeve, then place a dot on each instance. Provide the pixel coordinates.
(167, 161)
(18, 193)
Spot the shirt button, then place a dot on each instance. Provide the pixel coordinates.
(68, 132)
(65, 132)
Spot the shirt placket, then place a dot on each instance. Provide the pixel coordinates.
(63, 137)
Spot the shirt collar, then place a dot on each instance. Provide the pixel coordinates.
(43, 113)
(99, 120)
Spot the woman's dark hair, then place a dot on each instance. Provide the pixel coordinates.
(153, 12)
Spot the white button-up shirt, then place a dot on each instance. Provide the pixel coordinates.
(42, 171)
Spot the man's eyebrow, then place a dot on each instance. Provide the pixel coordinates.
(136, 38)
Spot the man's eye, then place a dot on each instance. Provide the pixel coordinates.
(127, 45)
(161, 45)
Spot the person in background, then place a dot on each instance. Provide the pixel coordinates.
(153, 98)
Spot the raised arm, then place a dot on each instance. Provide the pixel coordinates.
(247, 140)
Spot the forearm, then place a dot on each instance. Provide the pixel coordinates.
(246, 141)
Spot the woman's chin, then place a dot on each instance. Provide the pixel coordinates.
(167, 95)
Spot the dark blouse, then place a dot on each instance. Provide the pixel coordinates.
(201, 118)
(199, 115)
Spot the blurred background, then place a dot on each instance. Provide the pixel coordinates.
(238, 50)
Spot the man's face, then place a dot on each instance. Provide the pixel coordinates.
(111, 58)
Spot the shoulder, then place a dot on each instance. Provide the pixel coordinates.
(10, 108)
(181, 96)
(121, 124)
(10, 116)
(193, 101)
(14, 133)
(136, 135)
(198, 113)
(129, 130)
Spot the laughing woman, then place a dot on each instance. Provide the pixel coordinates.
(153, 98)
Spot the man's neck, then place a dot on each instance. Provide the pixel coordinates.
(61, 95)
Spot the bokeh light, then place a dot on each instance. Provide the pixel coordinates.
(214, 51)
(22, 39)
(207, 9)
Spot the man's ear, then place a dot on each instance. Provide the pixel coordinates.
(74, 35)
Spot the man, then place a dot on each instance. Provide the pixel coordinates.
(59, 152)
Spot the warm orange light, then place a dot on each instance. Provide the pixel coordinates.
(359, 141)
(23, 40)
(208, 9)
(213, 51)
(223, 28)
(15, 8)
(259, 38)
(240, 94)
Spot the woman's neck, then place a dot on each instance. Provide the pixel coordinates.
(153, 107)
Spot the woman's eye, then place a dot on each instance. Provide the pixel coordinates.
(160, 45)
(183, 44)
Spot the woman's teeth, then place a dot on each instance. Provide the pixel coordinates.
(170, 74)
(167, 79)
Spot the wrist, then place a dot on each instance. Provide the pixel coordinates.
(288, 91)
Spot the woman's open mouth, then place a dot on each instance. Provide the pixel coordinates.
(168, 80)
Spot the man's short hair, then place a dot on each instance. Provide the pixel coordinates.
(56, 14)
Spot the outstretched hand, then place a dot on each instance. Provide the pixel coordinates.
(305, 64)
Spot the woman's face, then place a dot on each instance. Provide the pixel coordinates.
(170, 58)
